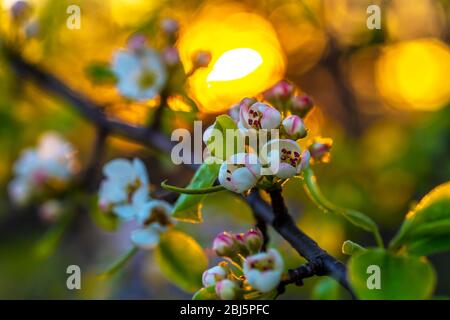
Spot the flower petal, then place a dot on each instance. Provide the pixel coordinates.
(146, 238)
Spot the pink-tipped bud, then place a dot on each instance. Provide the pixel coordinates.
(253, 240)
(320, 149)
(201, 59)
(301, 105)
(20, 11)
(170, 26)
(306, 157)
(227, 289)
(137, 42)
(294, 127)
(281, 91)
(225, 245)
(171, 56)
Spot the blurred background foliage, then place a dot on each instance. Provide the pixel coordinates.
(382, 95)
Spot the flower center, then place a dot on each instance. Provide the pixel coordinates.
(159, 216)
(147, 79)
(254, 118)
(132, 187)
(263, 264)
(290, 157)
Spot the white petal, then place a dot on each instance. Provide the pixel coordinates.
(285, 171)
(120, 169)
(141, 171)
(264, 281)
(124, 62)
(146, 238)
(242, 179)
(125, 212)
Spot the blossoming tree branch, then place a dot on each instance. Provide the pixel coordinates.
(253, 151)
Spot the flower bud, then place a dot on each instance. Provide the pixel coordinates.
(294, 127)
(253, 240)
(281, 91)
(201, 59)
(301, 105)
(227, 289)
(263, 270)
(171, 56)
(212, 276)
(20, 11)
(224, 245)
(320, 149)
(137, 42)
(170, 26)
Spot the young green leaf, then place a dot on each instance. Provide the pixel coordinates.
(188, 206)
(220, 146)
(378, 274)
(355, 217)
(207, 293)
(426, 228)
(182, 260)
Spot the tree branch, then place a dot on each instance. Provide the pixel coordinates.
(281, 221)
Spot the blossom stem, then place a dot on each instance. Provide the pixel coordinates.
(213, 189)
(119, 263)
(355, 217)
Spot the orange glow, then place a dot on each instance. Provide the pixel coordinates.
(413, 74)
(246, 56)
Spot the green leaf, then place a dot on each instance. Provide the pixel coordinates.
(401, 277)
(222, 148)
(105, 221)
(206, 293)
(355, 217)
(429, 245)
(100, 73)
(426, 228)
(326, 289)
(188, 206)
(182, 260)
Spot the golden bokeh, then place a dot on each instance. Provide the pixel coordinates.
(246, 56)
(413, 74)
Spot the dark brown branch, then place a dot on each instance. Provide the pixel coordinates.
(283, 223)
(281, 220)
(89, 178)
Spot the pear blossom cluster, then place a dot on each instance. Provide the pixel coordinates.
(44, 170)
(125, 192)
(247, 270)
(279, 114)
